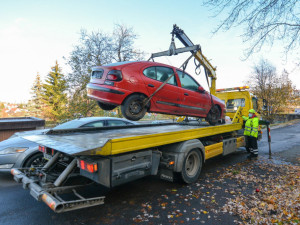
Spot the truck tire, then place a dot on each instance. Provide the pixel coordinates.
(132, 108)
(36, 160)
(105, 106)
(192, 166)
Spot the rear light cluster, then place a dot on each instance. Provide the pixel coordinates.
(89, 167)
(42, 148)
(114, 75)
(49, 151)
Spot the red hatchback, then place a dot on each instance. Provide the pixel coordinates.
(130, 84)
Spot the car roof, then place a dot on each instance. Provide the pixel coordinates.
(127, 63)
(120, 63)
(85, 120)
(92, 119)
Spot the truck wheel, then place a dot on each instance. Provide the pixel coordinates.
(36, 160)
(213, 115)
(132, 108)
(105, 106)
(192, 166)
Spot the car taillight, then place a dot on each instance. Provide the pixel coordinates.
(42, 148)
(90, 167)
(114, 75)
(49, 151)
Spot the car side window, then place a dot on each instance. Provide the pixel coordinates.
(115, 123)
(187, 82)
(163, 73)
(150, 72)
(160, 73)
(94, 124)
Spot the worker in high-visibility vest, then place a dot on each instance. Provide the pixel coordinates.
(251, 133)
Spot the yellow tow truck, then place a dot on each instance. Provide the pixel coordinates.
(235, 97)
(112, 156)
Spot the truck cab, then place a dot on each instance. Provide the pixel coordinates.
(235, 97)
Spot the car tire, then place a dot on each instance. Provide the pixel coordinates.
(105, 106)
(133, 107)
(213, 115)
(192, 166)
(36, 160)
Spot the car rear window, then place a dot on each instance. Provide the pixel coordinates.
(94, 124)
(69, 125)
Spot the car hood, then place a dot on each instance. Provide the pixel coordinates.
(218, 101)
(31, 132)
(19, 141)
(16, 142)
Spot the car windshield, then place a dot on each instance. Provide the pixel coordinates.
(69, 125)
(235, 103)
(12, 136)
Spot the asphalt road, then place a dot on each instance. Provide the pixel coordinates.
(150, 200)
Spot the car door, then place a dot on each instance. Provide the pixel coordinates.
(167, 98)
(194, 102)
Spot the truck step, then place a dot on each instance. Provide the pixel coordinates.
(58, 205)
(53, 196)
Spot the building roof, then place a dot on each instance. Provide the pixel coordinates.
(14, 123)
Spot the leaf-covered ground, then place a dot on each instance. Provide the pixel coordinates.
(252, 192)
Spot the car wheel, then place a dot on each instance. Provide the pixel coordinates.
(133, 107)
(213, 115)
(105, 106)
(192, 166)
(36, 160)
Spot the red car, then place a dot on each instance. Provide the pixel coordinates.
(129, 84)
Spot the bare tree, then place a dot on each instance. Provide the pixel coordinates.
(266, 84)
(96, 49)
(123, 44)
(265, 21)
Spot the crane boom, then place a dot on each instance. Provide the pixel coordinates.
(210, 70)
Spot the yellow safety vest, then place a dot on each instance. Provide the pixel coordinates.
(251, 127)
(255, 124)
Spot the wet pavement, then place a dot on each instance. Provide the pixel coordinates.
(154, 201)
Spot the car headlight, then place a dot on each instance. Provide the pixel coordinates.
(12, 150)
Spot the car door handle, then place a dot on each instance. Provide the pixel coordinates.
(150, 85)
(186, 94)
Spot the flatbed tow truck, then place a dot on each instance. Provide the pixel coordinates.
(117, 155)
(112, 156)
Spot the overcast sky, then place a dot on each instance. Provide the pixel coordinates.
(34, 34)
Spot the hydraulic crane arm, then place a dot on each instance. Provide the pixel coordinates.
(209, 69)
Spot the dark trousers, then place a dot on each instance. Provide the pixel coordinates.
(247, 143)
(252, 143)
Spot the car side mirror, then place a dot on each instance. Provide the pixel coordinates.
(201, 89)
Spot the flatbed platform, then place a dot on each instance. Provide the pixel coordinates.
(117, 140)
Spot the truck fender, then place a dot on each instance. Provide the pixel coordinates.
(178, 152)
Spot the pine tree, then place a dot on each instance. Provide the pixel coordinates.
(54, 96)
(35, 105)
